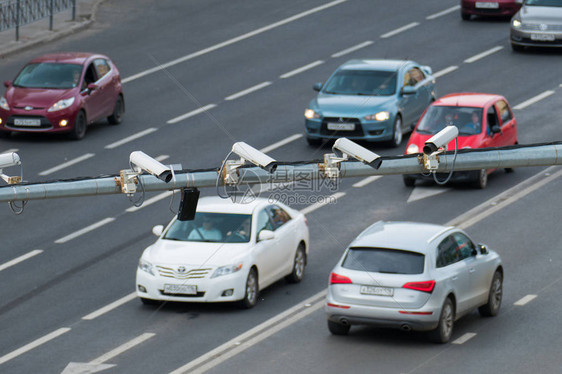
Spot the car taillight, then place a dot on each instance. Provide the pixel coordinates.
(420, 286)
(338, 279)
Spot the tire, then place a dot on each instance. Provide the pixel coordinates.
(337, 328)
(251, 293)
(150, 301)
(117, 116)
(396, 132)
(313, 141)
(492, 308)
(465, 16)
(409, 181)
(509, 170)
(517, 48)
(442, 334)
(79, 129)
(299, 264)
(481, 180)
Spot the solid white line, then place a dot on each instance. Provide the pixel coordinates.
(150, 201)
(442, 13)
(399, 30)
(192, 113)
(33, 344)
(448, 70)
(19, 259)
(352, 49)
(525, 300)
(320, 204)
(131, 138)
(463, 339)
(233, 40)
(248, 91)
(533, 100)
(110, 307)
(67, 164)
(366, 181)
(122, 348)
(162, 158)
(281, 143)
(301, 69)
(84, 230)
(483, 54)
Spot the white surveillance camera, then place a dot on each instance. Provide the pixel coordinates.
(249, 153)
(9, 159)
(358, 152)
(441, 139)
(142, 161)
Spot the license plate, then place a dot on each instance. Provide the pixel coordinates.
(341, 126)
(542, 37)
(27, 122)
(378, 291)
(483, 5)
(183, 289)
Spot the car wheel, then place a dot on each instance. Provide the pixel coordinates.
(481, 180)
(299, 264)
(313, 141)
(117, 116)
(492, 308)
(251, 294)
(409, 181)
(442, 334)
(150, 301)
(79, 129)
(517, 48)
(337, 328)
(397, 132)
(465, 16)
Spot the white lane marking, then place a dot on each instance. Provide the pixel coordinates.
(253, 336)
(448, 70)
(85, 368)
(84, 230)
(420, 193)
(399, 30)
(248, 91)
(233, 40)
(150, 201)
(366, 181)
(11, 150)
(122, 348)
(162, 158)
(352, 49)
(281, 143)
(33, 344)
(483, 54)
(110, 307)
(301, 69)
(19, 259)
(463, 339)
(67, 164)
(525, 300)
(442, 13)
(192, 113)
(534, 99)
(328, 200)
(131, 138)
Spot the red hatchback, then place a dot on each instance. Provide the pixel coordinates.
(63, 92)
(483, 120)
(497, 8)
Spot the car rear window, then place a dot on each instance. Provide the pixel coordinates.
(384, 260)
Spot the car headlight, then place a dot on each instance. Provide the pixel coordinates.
(225, 270)
(516, 23)
(412, 148)
(4, 103)
(61, 104)
(146, 266)
(380, 116)
(310, 114)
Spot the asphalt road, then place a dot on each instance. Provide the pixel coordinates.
(218, 50)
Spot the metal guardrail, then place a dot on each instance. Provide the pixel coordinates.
(16, 13)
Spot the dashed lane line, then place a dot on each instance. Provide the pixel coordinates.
(352, 49)
(447, 70)
(301, 69)
(192, 113)
(534, 100)
(110, 307)
(248, 91)
(85, 230)
(525, 300)
(67, 164)
(33, 344)
(399, 30)
(128, 139)
(19, 259)
(444, 12)
(480, 56)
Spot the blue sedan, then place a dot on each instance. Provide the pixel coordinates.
(372, 100)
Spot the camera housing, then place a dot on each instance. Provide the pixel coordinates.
(142, 161)
(441, 139)
(352, 149)
(9, 159)
(256, 157)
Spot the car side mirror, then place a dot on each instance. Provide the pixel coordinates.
(7, 84)
(158, 230)
(92, 87)
(408, 90)
(317, 86)
(483, 249)
(266, 235)
(496, 129)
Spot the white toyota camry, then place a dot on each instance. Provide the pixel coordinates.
(229, 252)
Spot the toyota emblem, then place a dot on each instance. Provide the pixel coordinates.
(181, 269)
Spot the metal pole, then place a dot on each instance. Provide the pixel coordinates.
(51, 15)
(17, 20)
(74, 10)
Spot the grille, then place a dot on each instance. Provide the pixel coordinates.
(357, 132)
(537, 27)
(199, 294)
(169, 272)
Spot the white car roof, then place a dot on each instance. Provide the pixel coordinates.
(216, 204)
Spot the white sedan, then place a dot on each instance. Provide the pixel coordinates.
(229, 252)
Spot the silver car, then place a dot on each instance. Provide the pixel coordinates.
(538, 23)
(413, 276)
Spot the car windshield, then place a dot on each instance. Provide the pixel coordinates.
(467, 119)
(384, 260)
(361, 82)
(212, 227)
(49, 75)
(557, 3)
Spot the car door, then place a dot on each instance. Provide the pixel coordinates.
(105, 87)
(407, 102)
(422, 85)
(93, 99)
(492, 121)
(285, 231)
(508, 123)
(265, 250)
(477, 271)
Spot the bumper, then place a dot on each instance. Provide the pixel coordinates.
(374, 131)
(503, 10)
(527, 39)
(44, 121)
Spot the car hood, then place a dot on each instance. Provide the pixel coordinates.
(350, 105)
(35, 97)
(536, 14)
(173, 252)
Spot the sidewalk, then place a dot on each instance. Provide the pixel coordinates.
(38, 32)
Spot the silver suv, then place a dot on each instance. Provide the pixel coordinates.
(413, 276)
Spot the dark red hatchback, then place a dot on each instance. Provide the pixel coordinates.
(63, 92)
(489, 8)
